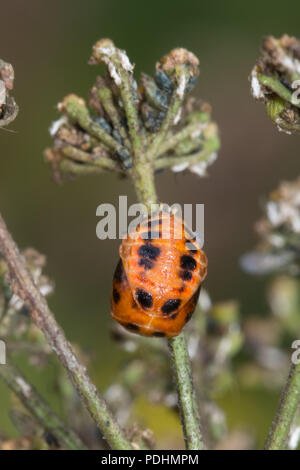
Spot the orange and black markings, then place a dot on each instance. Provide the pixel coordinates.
(157, 281)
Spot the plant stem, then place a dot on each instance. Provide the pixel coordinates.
(34, 403)
(210, 146)
(287, 409)
(78, 155)
(24, 286)
(145, 189)
(171, 141)
(173, 110)
(187, 400)
(277, 87)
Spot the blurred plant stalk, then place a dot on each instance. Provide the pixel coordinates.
(34, 403)
(8, 107)
(286, 414)
(275, 80)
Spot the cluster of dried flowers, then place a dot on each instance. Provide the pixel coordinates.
(275, 80)
(8, 106)
(173, 130)
(279, 234)
(13, 312)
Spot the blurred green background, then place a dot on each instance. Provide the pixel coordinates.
(49, 44)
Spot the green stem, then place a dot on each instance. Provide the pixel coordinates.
(69, 167)
(130, 111)
(34, 403)
(289, 403)
(210, 146)
(168, 122)
(187, 400)
(78, 112)
(145, 189)
(277, 87)
(106, 99)
(174, 139)
(84, 157)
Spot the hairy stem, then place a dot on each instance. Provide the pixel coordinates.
(144, 185)
(168, 121)
(277, 87)
(289, 403)
(187, 400)
(210, 146)
(171, 141)
(34, 403)
(24, 286)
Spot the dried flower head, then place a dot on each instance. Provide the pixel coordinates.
(279, 233)
(124, 118)
(8, 106)
(275, 80)
(10, 318)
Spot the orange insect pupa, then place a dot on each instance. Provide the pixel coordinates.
(157, 281)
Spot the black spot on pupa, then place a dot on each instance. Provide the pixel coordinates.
(146, 263)
(159, 334)
(170, 306)
(116, 296)
(174, 315)
(144, 298)
(149, 251)
(132, 327)
(185, 275)
(188, 262)
(120, 274)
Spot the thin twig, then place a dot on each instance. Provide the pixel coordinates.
(210, 146)
(289, 403)
(173, 110)
(106, 99)
(187, 400)
(277, 87)
(171, 141)
(34, 403)
(24, 286)
(101, 161)
(78, 112)
(178, 347)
